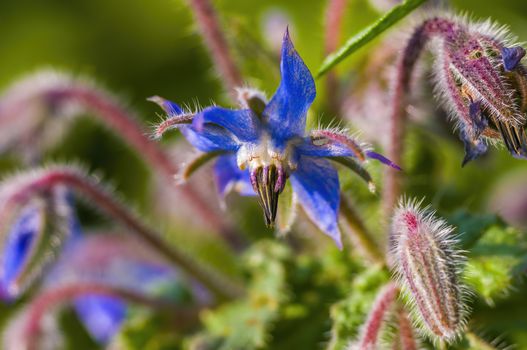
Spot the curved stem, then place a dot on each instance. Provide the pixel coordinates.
(104, 200)
(216, 43)
(116, 117)
(49, 90)
(360, 234)
(52, 298)
(405, 66)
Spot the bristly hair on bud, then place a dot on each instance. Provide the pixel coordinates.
(481, 80)
(427, 265)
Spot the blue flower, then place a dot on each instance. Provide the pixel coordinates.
(103, 315)
(264, 144)
(121, 263)
(22, 257)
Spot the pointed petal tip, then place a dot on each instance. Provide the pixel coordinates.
(337, 238)
(383, 159)
(287, 37)
(156, 99)
(171, 109)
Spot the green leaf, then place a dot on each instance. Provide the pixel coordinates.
(492, 268)
(368, 34)
(471, 226)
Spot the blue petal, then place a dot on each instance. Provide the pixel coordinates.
(228, 176)
(18, 246)
(210, 139)
(286, 112)
(243, 123)
(307, 148)
(316, 184)
(101, 315)
(473, 148)
(512, 56)
(382, 159)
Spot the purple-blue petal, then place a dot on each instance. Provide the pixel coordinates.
(382, 159)
(228, 176)
(316, 184)
(101, 315)
(18, 246)
(210, 139)
(286, 112)
(329, 150)
(512, 56)
(307, 148)
(242, 123)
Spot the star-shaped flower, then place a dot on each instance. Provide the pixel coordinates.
(263, 144)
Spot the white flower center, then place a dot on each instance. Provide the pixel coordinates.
(264, 154)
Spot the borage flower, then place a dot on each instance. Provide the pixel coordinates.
(263, 144)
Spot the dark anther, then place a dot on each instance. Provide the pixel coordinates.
(268, 183)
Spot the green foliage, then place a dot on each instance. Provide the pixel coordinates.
(369, 33)
(245, 324)
(137, 333)
(349, 314)
(494, 261)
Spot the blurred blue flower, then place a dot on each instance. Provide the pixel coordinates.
(122, 263)
(265, 143)
(18, 246)
(103, 315)
(40, 228)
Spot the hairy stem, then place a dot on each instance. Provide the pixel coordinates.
(106, 203)
(382, 306)
(118, 119)
(216, 43)
(400, 88)
(405, 337)
(360, 234)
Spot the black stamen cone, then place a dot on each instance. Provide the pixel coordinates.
(264, 182)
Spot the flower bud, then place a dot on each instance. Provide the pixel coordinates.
(425, 260)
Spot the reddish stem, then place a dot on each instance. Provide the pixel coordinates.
(405, 66)
(405, 334)
(378, 314)
(216, 43)
(117, 118)
(104, 200)
(51, 298)
(334, 20)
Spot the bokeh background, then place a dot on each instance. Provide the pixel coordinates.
(140, 48)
